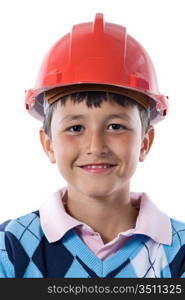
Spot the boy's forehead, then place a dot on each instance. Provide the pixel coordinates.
(80, 110)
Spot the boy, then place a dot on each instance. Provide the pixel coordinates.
(98, 98)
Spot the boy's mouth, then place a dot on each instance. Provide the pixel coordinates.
(97, 168)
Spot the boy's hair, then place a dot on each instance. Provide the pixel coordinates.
(95, 99)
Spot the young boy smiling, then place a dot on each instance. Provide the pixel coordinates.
(98, 116)
(97, 150)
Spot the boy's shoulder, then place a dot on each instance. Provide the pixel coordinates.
(178, 227)
(19, 239)
(175, 252)
(26, 225)
(177, 247)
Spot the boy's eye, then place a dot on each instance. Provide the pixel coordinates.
(117, 126)
(75, 127)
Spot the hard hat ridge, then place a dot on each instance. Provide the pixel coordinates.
(98, 26)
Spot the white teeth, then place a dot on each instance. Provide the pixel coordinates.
(98, 166)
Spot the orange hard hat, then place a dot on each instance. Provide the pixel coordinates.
(98, 56)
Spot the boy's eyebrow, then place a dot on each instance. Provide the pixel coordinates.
(79, 117)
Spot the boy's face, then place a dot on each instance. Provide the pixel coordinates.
(96, 136)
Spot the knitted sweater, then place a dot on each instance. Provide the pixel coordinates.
(26, 253)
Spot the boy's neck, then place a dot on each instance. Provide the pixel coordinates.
(107, 216)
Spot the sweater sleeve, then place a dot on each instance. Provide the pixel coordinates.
(6, 267)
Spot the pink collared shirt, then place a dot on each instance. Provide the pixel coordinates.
(55, 222)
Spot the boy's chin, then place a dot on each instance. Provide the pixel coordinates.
(96, 192)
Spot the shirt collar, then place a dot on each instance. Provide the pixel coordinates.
(151, 220)
(55, 221)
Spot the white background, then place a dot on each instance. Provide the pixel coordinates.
(27, 31)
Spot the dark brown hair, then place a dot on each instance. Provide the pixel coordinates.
(95, 99)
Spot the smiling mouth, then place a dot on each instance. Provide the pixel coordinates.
(99, 166)
(97, 169)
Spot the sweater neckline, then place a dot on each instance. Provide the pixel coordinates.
(102, 268)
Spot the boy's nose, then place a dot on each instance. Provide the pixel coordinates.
(96, 144)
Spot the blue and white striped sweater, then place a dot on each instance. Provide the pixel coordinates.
(26, 253)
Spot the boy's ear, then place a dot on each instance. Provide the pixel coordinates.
(146, 143)
(47, 145)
